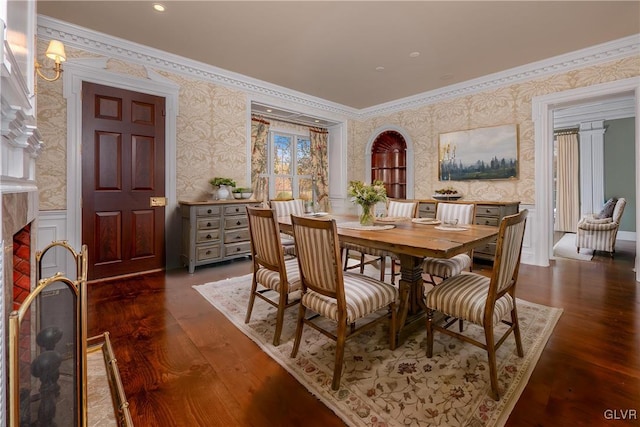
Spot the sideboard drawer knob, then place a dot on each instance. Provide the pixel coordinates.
(208, 236)
(209, 211)
(208, 253)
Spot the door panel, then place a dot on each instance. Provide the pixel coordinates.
(122, 169)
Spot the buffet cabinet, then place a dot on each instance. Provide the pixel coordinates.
(214, 231)
(486, 213)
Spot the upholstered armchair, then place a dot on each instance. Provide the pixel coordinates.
(600, 234)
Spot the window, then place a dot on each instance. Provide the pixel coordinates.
(289, 166)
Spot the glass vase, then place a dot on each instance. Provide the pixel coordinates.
(366, 216)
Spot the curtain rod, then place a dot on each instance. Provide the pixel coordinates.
(267, 117)
(566, 131)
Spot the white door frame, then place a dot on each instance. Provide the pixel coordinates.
(542, 115)
(77, 71)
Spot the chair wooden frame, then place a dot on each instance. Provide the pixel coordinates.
(503, 281)
(267, 252)
(432, 277)
(321, 273)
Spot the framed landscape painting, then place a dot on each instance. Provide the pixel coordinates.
(483, 153)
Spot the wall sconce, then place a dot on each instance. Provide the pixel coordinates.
(56, 52)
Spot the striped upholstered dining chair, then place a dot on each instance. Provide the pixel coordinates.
(482, 300)
(447, 267)
(402, 208)
(286, 208)
(342, 297)
(271, 272)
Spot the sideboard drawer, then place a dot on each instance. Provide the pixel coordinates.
(205, 253)
(233, 236)
(237, 249)
(427, 210)
(208, 223)
(207, 236)
(207, 210)
(484, 210)
(487, 221)
(235, 210)
(236, 222)
(489, 249)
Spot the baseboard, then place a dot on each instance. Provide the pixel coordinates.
(626, 235)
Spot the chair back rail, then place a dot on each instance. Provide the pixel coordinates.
(506, 265)
(463, 212)
(402, 208)
(264, 233)
(318, 252)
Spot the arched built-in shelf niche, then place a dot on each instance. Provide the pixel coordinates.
(389, 163)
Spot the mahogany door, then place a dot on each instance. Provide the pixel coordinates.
(123, 158)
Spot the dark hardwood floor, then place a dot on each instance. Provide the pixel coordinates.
(184, 364)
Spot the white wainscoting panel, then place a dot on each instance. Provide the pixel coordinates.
(52, 225)
(528, 250)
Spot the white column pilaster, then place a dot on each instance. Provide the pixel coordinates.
(591, 166)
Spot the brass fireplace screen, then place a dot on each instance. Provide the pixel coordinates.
(48, 350)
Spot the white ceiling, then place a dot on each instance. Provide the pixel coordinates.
(331, 49)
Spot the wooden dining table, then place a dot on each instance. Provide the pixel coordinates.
(411, 242)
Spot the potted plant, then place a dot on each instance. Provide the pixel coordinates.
(221, 184)
(241, 193)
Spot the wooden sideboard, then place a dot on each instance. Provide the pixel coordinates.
(214, 231)
(486, 213)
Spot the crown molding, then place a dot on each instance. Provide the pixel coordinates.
(91, 41)
(598, 54)
(114, 47)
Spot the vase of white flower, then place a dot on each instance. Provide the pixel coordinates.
(367, 195)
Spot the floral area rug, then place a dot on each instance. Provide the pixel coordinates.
(380, 387)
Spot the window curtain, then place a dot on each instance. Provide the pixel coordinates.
(259, 139)
(319, 165)
(567, 183)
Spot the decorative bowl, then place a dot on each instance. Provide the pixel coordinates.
(246, 195)
(237, 195)
(451, 196)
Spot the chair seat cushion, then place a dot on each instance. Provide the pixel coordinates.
(364, 295)
(464, 296)
(271, 279)
(446, 267)
(597, 224)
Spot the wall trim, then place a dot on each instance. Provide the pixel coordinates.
(94, 70)
(542, 108)
(92, 41)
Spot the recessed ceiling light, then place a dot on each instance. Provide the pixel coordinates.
(414, 54)
(269, 110)
(317, 121)
(159, 7)
(379, 68)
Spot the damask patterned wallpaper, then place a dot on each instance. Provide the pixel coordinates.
(511, 104)
(212, 131)
(211, 134)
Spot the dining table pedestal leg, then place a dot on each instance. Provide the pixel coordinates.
(411, 290)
